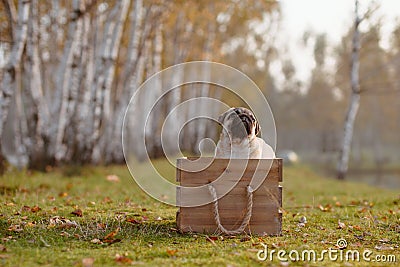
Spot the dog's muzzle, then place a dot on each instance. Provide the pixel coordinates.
(241, 126)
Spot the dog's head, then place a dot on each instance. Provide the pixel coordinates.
(240, 123)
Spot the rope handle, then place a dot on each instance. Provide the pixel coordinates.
(246, 218)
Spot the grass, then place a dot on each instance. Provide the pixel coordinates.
(143, 230)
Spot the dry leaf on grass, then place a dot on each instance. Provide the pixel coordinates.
(15, 228)
(341, 225)
(383, 247)
(172, 252)
(134, 221)
(87, 262)
(123, 259)
(211, 239)
(113, 178)
(63, 194)
(96, 241)
(110, 237)
(61, 222)
(325, 208)
(77, 212)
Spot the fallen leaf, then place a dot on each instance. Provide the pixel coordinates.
(110, 237)
(3, 248)
(26, 208)
(106, 200)
(211, 240)
(113, 178)
(31, 224)
(325, 208)
(172, 252)
(87, 262)
(383, 247)
(112, 234)
(61, 222)
(63, 194)
(122, 259)
(159, 218)
(15, 228)
(341, 225)
(101, 226)
(132, 220)
(355, 227)
(77, 212)
(96, 241)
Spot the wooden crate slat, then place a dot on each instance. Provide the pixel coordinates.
(231, 173)
(236, 197)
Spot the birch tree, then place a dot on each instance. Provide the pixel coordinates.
(354, 100)
(11, 77)
(106, 73)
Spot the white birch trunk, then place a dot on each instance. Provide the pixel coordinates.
(70, 81)
(13, 66)
(131, 72)
(36, 85)
(204, 106)
(10, 82)
(146, 100)
(102, 108)
(354, 101)
(154, 134)
(82, 117)
(182, 32)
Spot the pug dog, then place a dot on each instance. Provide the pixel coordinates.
(238, 137)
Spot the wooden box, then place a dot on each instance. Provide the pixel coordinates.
(263, 176)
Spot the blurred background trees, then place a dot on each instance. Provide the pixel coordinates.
(69, 68)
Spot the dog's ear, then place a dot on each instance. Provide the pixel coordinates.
(257, 130)
(221, 118)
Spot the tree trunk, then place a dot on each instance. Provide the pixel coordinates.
(9, 82)
(354, 101)
(70, 81)
(204, 106)
(35, 90)
(125, 91)
(106, 73)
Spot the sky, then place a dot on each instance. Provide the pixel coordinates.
(333, 17)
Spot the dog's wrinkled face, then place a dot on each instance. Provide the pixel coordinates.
(240, 123)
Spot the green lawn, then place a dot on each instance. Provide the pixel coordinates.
(120, 225)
